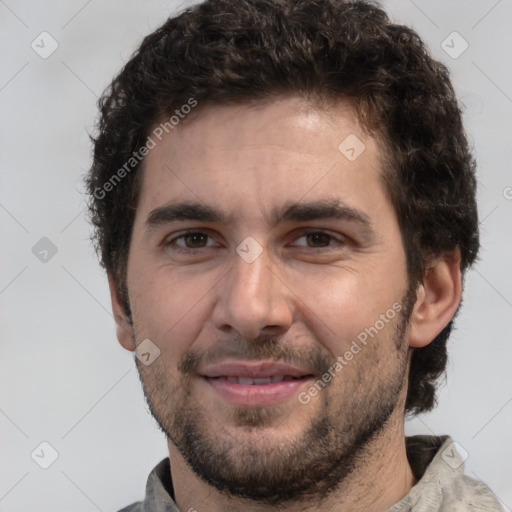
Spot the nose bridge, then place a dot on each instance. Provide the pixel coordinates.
(255, 275)
(252, 297)
(251, 281)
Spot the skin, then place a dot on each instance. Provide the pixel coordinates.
(302, 297)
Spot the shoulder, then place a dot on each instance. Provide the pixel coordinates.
(471, 495)
(441, 484)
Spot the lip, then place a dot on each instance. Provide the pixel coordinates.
(255, 395)
(252, 369)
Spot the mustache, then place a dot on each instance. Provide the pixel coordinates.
(264, 347)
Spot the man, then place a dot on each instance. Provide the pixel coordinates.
(284, 202)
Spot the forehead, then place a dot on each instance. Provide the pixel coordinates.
(251, 158)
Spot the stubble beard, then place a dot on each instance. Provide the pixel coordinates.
(249, 459)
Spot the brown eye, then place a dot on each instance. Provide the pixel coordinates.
(318, 239)
(195, 240)
(190, 240)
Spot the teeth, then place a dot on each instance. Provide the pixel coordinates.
(262, 380)
(246, 381)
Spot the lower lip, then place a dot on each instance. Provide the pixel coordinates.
(256, 394)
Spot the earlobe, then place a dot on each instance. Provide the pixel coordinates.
(438, 298)
(124, 328)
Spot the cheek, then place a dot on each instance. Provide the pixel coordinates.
(168, 307)
(344, 307)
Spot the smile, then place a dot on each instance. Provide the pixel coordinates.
(245, 381)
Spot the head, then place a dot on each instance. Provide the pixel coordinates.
(235, 126)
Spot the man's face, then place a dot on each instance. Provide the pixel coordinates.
(293, 251)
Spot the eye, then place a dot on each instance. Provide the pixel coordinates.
(318, 240)
(191, 240)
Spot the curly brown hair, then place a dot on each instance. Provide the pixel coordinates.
(236, 51)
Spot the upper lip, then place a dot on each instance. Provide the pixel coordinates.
(252, 369)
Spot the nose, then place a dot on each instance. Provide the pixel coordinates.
(253, 299)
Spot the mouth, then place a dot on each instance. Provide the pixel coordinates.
(261, 381)
(255, 383)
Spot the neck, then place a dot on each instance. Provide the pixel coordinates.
(382, 478)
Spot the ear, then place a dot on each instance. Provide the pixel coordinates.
(124, 329)
(437, 299)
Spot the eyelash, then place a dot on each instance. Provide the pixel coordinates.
(172, 242)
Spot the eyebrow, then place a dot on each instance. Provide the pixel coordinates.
(304, 211)
(186, 210)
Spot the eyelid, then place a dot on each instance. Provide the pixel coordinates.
(337, 237)
(301, 232)
(171, 239)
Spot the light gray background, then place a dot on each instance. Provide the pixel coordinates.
(63, 377)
